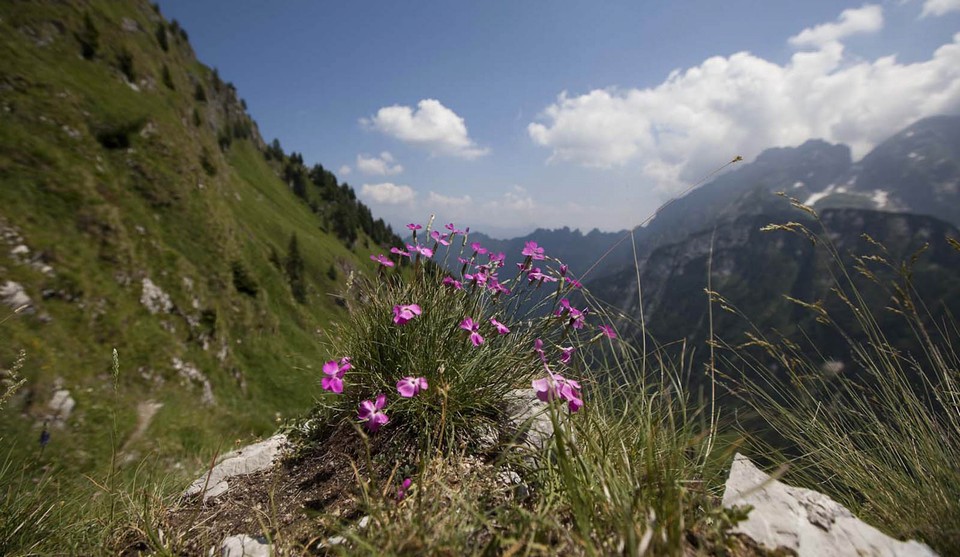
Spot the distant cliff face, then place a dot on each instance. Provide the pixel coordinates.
(755, 270)
(917, 170)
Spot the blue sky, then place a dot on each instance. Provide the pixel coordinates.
(506, 116)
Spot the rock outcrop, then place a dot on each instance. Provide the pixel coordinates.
(249, 459)
(805, 521)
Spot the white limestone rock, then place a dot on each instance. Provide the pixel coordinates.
(249, 459)
(13, 295)
(805, 521)
(61, 405)
(244, 546)
(191, 373)
(530, 418)
(154, 298)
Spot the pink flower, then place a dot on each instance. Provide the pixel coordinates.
(555, 386)
(424, 251)
(450, 281)
(497, 257)
(536, 274)
(477, 248)
(439, 238)
(402, 314)
(495, 286)
(335, 371)
(533, 251)
(404, 487)
(574, 283)
(538, 348)
(413, 226)
(400, 252)
(566, 354)
(608, 330)
(409, 386)
(382, 259)
(577, 317)
(563, 270)
(454, 230)
(476, 278)
(371, 413)
(474, 328)
(501, 328)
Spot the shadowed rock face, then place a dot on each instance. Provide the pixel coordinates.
(805, 521)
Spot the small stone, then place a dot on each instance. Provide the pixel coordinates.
(71, 132)
(245, 546)
(129, 25)
(154, 298)
(14, 295)
(61, 405)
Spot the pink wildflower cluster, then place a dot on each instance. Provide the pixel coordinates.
(371, 412)
(479, 272)
(415, 249)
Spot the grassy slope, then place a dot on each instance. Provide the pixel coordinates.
(106, 218)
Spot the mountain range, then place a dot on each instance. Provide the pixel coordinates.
(904, 194)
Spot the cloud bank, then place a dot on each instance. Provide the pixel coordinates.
(701, 117)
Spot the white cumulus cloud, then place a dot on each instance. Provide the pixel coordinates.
(382, 165)
(701, 117)
(867, 19)
(435, 200)
(388, 193)
(343, 170)
(431, 126)
(938, 8)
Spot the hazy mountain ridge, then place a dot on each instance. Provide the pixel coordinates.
(577, 250)
(917, 170)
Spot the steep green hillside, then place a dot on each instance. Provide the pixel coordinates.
(140, 210)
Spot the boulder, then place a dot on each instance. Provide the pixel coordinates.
(805, 521)
(249, 459)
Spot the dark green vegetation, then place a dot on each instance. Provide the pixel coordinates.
(131, 176)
